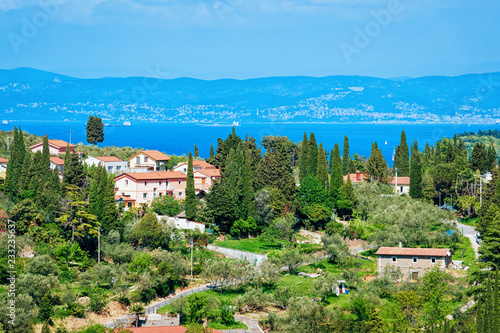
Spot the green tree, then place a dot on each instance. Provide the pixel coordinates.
(347, 200)
(346, 159)
(196, 152)
(322, 167)
(45, 309)
(491, 157)
(377, 166)
(402, 157)
(415, 173)
(190, 203)
(95, 130)
(166, 205)
(434, 288)
(336, 249)
(211, 158)
(336, 178)
(148, 231)
(291, 258)
(73, 172)
(304, 159)
(312, 155)
(479, 157)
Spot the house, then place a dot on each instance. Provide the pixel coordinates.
(3, 167)
(112, 164)
(402, 183)
(56, 163)
(413, 262)
(143, 187)
(181, 222)
(148, 160)
(204, 179)
(56, 147)
(357, 177)
(197, 165)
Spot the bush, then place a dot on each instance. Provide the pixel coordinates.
(97, 300)
(42, 265)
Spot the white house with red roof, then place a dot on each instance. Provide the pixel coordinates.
(197, 165)
(402, 184)
(112, 164)
(56, 147)
(148, 160)
(56, 163)
(135, 188)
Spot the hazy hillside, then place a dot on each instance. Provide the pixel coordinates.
(32, 94)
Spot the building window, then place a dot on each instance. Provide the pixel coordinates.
(168, 182)
(180, 194)
(110, 168)
(145, 183)
(180, 182)
(146, 159)
(203, 180)
(138, 160)
(129, 204)
(415, 260)
(154, 193)
(160, 182)
(433, 260)
(118, 167)
(144, 195)
(160, 194)
(394, 259)
(126, 182)
(401, 189)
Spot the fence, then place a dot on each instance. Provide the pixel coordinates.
(254, 258)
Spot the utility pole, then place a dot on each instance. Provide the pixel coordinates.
(396, 184)
(191, 240)
(98, 244)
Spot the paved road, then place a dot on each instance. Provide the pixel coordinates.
(469, 232)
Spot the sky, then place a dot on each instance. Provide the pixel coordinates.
(211, 39)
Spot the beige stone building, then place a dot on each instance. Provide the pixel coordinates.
(413, 262)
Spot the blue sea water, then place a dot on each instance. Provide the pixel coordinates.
(178, 139)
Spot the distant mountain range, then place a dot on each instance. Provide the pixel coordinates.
(27, 94)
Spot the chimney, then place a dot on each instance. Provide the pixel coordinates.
(400, 245)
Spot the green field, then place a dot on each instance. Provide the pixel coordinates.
(255, 245)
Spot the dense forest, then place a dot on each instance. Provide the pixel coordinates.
(77, 254)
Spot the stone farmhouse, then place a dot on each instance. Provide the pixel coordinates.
(413, 262)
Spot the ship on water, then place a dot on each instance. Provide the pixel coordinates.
(234, 124)
(124, 124)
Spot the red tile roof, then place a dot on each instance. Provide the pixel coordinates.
(3, 160)
(402, 181)
(109, 158)
(199, 163)
(155, 175)
(154, 154)
(56, 160)
(405, 251)
(210, 172)
(124, 198)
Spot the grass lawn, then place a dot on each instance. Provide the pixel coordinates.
(216, 325)
(255, 245)
(469, 221)
(469, 254)
(364, 267)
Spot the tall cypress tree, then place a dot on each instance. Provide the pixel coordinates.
(336, 178)
(304, 159)
(346, 159)
(247, 201)
(45, 162)
(322, 167)
(402, 157)
(478, 158)
(191, 205)
(95, 191)
(491, 157)
(347, 200)
(312, 154)
(377, 166)
(10, 178)
(109, 218)
(415, 173)
(196, 152)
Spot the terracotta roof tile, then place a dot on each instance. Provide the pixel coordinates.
(210, 172)
(56, 160)
(154, 154)
(3, 160)
(109, 158)
(402, 181)
(155, 175)
(406, 251)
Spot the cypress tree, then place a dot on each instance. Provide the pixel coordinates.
(415, 173)
(94, 192)
(377, 166)
(312, 154)
(45, 162)
(247, 202)
(491, 157)
(303, 162)
(322, 167)
(109, 219)
(73, 172)
(478, 159)
(11, 178)
(190, 202)
(347, 198)
(346, 159)
(27, 172)
(402, 157)
(55, 183)
(196, 152)
(336, 178)
(212, 151)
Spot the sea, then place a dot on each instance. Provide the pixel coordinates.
(180, 138)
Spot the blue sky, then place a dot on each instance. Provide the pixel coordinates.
(250, 38)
